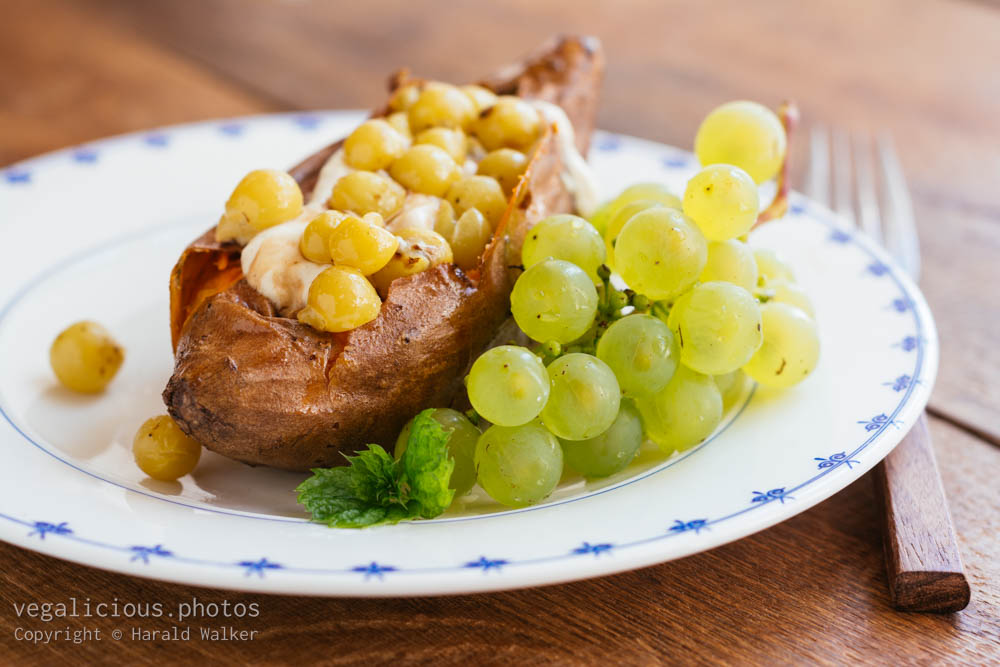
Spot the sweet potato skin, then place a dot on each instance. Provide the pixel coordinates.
(269, 390)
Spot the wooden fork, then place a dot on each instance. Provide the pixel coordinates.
(923, 563)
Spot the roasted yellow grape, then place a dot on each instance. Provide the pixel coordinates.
(264, 198)
(374, 145)
(340, 299)
(163, 451)
(482, 98)
(506, 165)
(85, 358)
(315, 242)
(471, 234)
(444, 220)
(233, 227)
(362, 245)
(367, 192)
(451, 141)
(419, 250)
(510, 123)
(427, 169)
(404, 97)
(441, 105)
(480, 192)
(401, 123)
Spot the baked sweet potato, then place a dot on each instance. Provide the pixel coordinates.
(269, 390)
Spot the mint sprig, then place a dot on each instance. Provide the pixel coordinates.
(373, 488)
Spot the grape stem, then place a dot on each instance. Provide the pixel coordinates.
(764, 294)
(659, 310)
(612, 305)
(788, 112)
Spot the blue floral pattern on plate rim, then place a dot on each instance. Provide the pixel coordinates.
(24, 175)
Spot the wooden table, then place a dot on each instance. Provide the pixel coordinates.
(811, 589)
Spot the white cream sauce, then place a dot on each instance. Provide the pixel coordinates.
(577, 177)
(418, 212)
(274, 266)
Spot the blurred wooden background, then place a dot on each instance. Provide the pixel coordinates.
(810, 589)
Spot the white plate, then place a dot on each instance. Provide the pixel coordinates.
(92, 232)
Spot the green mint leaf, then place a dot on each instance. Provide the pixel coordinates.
(377, 477)
(366, 492)
(374, 489)
(427, 466)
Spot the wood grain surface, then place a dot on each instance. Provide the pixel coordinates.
(812, 589)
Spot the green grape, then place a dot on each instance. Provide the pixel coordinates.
(599, 218)
(655, 191)
(745, 134)
(554, 300)
(642, 352)
(584, 397)
(565, 237)
(640, 191)
(722, 200)
(770, 267)
(731, 386)
(618, 220)
(790, 349)
(683, 413)
(717, 326)
(461, 446)
(790, 293)
(508, 385)
(730, 261)
(518, 465)
(660, 253)
(609, 452)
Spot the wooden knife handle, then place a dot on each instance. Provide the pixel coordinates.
(922, 560)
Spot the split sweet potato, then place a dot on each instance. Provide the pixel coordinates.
(269, 390)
